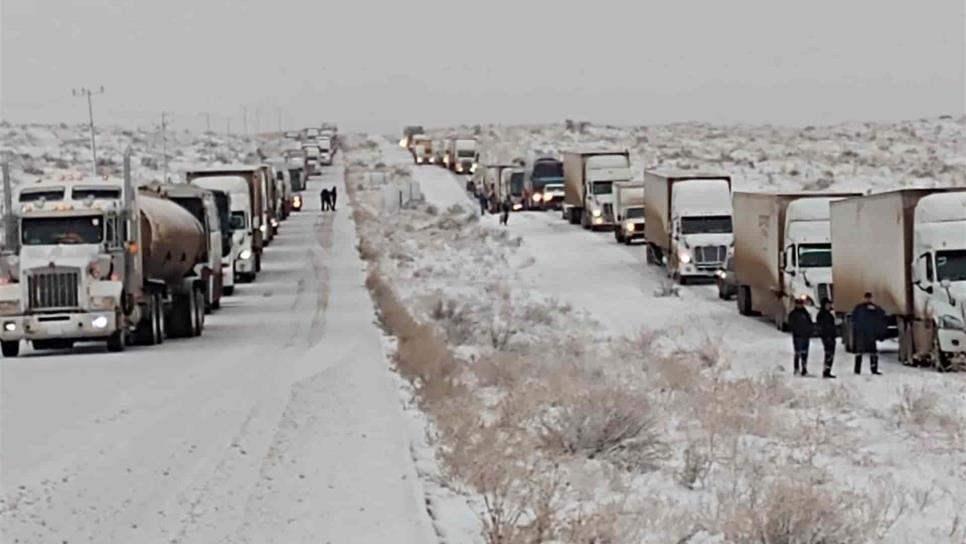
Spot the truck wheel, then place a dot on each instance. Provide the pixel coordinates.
(180, 317)
(10, 348)
(942, 361)
(744, 300)
(199, 312)
(228, 290)
(649, 254)
(158, 319)
(258, 263)
(116, 342)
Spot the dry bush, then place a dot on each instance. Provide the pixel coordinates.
(456, 319)
(795, 512)
(667, 288)
(697, 464)
(736, 407)
(916, 407)
(503, 370)
(613, 424)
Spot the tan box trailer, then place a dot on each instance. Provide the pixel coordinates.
(908, 249)
(782, 251)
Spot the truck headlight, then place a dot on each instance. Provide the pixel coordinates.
(9, 307)
(297, 201)
(537, 197)
(473, 169)
(629, 226)
(264, 230)
(684, 257)
(245, 254)
(10, 326)
(595, 212)
(274, 222)
(102, 303)
(99, 322)
(950, 322)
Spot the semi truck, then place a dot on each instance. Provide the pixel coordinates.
(908, 249)
(325, 151)
(201, 204)
(248, 218)
(589, 178)
(421, 147)
(117, 270)
(493, 188)
(629, 209)
(783, 252)
(687, 222)
(461, 155)
(513, 180)
(409, 132)
(546, 183)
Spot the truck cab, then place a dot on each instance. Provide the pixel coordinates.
(325, 151)
(806, 259)
(422, 149)
(462, 156)
(589, 178)
(629, 209)
(63, 280)
(546, 183)
(513, 182)
(701, 227)
(409, 133)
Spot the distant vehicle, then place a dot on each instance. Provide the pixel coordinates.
(783, 252)
(439, 152)
(545, 172)
(313, 160)
(422, 149)
(461, 155)
(725, 279)
(236, 229)
(907, 248)
(513, 181)
(687, 222)
(325, 151)
(589, 178)
(629, 208)
(494, 187)
(408, 133)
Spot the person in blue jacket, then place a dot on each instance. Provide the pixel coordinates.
(868, 322)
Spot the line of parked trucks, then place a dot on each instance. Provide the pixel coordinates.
(767, 250)
(457, 154)
(108, 260)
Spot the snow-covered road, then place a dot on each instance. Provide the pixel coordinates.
(280, 424)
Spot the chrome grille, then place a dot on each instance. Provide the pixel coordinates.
(51, 289)
(710, 255)
(609, 212)
(824, 291)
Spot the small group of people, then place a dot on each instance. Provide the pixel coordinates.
(492, 202)
(328, 198)
(868, 321)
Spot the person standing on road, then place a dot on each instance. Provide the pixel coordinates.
(868, 320)
(333, 196)
(825, 321)
(800, 323)
(325, 199)
(481, 197)
(505, 217)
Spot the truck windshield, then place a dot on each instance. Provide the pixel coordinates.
(194, 206)
(465, 153)
(516, 183)
(604, 188)
(32, 196)
(814, 255)
(712, 224)
(951, 265)
(238, 221)
(44, 231)
(547, 169)
(635, 213)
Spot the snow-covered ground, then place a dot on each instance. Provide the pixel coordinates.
(740, 435)
(281, 424)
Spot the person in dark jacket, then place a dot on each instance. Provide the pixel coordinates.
(825, 321)
(505, 217)
(325, 199)
(482, 198)
(800, 323)
(868, 320)
(332, 197)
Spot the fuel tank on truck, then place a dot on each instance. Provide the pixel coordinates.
(172, 240)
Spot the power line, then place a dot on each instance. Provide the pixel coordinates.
(88, 93)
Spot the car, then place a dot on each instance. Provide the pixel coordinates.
(725, 278)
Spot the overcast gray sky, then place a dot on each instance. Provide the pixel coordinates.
(377, 64)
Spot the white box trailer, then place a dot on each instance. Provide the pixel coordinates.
(908, 249)
(589, 177)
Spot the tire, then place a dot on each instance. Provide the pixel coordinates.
(258, 264)
(744, 300)
(649, 255)
(210, 295)
(683, 280)
(721, 290)
(228, 290)
(10, 348)
(942, 361)
(197, 301)
(116, 342)
(179, 323)
(159, 329)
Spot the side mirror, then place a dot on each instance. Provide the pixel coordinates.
(791, 273)
(945, 283)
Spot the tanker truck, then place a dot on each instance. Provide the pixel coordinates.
(783, 252)
(908, 249)
(248, 214)
(687, 222)
(200, 203)
(116, 270)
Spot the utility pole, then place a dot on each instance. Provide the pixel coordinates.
(258, 119)
(85, 92)
(228, 126)
(164, 144)
(245, 120)
(207, 117)
(278, 112)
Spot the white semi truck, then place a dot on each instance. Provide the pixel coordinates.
(908, 249)
(116, 266)
(687, 222)
(589, 178)
(461, 155)
(629, 209)
(783, 252)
